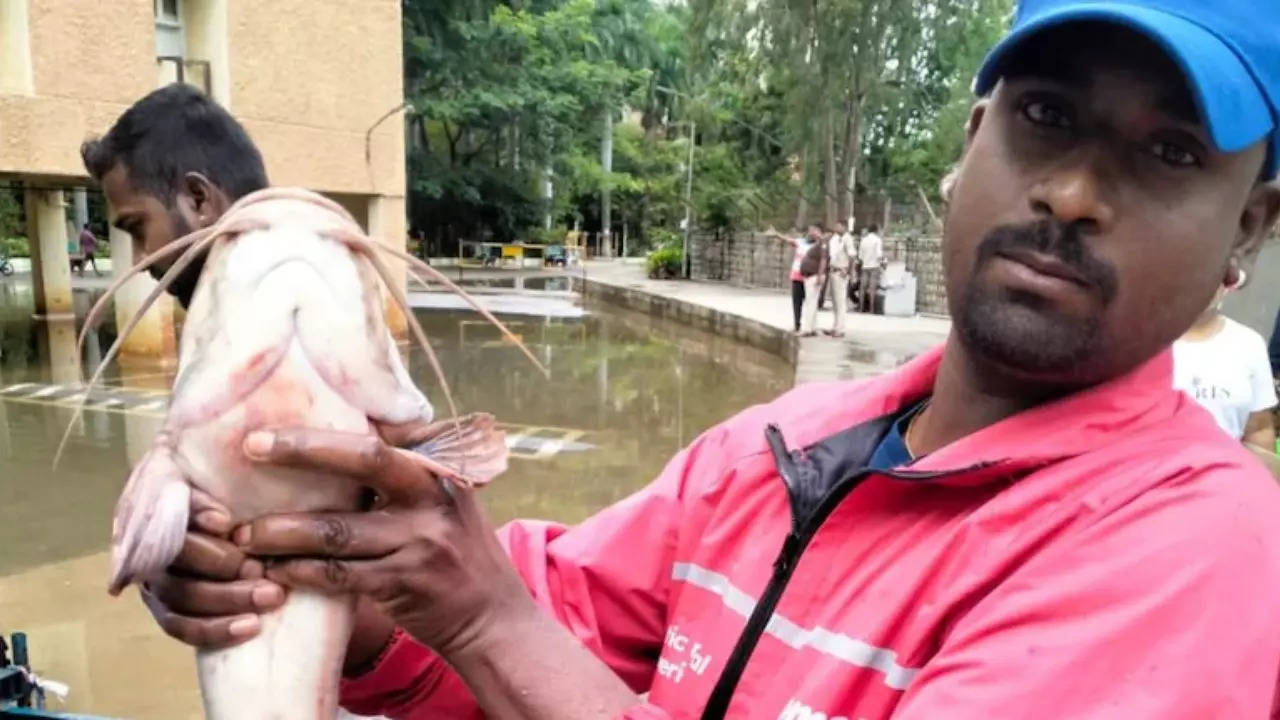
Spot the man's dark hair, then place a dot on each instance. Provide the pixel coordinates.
(173, 131)
(873, 228)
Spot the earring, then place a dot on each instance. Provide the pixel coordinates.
(1241, 278)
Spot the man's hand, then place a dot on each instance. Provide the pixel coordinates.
(428, 557)
(212, 594)
(426, 554)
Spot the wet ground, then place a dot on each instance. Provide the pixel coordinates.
(626, 392)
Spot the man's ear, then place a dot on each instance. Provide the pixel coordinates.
(976, 115)
(1256, 220)
(200, 201)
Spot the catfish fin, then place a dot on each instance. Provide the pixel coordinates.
(151, 520)
(471, 450)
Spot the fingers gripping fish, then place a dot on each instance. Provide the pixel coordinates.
(286, 328)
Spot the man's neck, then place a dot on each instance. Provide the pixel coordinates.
(967, 397)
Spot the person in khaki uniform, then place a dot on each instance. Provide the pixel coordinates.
(843, 253)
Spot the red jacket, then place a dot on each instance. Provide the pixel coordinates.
(1109, 555)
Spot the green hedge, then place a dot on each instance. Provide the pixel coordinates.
(666, 262)
(16, 247)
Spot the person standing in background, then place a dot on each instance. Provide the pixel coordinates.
(88, 247)
(1224, 367)
(813, 268)
(827, 237)
(843, 252)
(870, 254)
(1273, 349)
(801, 243)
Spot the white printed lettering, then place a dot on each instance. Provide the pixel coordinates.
(673, 662)
(796, 710)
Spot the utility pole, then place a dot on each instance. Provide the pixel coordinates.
(606, 206)
(688, 199)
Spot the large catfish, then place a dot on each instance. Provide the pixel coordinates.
(286, 328)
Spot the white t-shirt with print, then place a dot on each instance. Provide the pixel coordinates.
(1229, 374)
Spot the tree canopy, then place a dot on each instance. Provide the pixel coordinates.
(527, 116)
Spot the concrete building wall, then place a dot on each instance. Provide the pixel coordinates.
(317, 84)
(308, 78)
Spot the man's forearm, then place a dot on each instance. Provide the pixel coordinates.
(535, 669)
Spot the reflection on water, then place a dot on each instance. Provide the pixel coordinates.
(626, 391)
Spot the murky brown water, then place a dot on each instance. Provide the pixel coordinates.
(627, 391)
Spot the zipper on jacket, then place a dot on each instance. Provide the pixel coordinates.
(783, 566)
(802, 531)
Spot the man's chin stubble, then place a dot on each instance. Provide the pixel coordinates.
(1029, 341)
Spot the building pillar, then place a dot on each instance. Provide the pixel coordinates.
(6, 443)
(206, 38)
(80, 205)
(145, 375)
(62, 352)
(154, 337)
(58, 345)
(50, 263)
(386, 223)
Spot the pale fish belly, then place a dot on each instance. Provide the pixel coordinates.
(288, 672)
(291, 670)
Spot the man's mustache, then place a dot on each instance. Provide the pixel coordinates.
(1057, 240)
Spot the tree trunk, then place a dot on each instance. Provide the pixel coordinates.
(852, 157)
(829, 181)
(548, 195)
(606, 161)
(514, 150)
(802, 205)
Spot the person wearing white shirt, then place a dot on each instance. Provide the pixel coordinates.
(1224, 366)
(870, 254)
(844, 257)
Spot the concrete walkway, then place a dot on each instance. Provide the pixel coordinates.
(872, 343)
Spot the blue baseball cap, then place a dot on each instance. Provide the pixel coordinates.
(1229, 51)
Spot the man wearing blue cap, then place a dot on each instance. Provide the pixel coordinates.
(1027, 522)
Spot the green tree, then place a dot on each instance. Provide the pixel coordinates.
(795, 106)
(853, 75)
(496, 92)
(10, 214)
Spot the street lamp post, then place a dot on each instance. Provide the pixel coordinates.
(688, 201)
(688, 183)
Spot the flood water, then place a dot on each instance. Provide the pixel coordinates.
(626, 392)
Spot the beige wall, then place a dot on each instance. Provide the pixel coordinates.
(306, 77)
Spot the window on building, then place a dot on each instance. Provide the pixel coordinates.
(16, 77)
(170, 36)
(174, 32)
